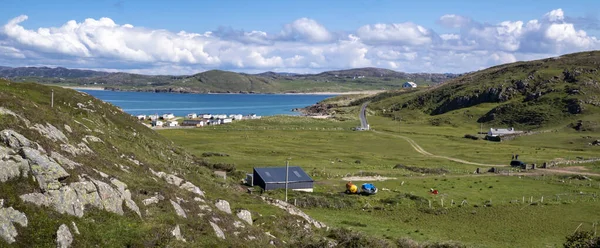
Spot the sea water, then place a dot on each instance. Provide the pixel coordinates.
(146, 103)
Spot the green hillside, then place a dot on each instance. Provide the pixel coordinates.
(534, 94)
(82, 173)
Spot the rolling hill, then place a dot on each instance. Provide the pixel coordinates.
(85, 174)
(529, 94)
(219, 81)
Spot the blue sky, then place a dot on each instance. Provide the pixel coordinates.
(300, 36)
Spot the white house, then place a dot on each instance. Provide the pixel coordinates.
(196, 123)
(226, 120)
(192, 116)
(254, 116)
(153, 117)
(220, 116)
(172, 123)
(141, 117)
(168, 116)
(206, 116)
(236, 117)
(495, 132)
(157, 123)
(409, 85)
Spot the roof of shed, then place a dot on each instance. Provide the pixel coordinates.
(277, 174)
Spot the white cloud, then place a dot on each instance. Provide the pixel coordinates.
(303, 45)
(397, 33)
(307, 30)
(454, 21)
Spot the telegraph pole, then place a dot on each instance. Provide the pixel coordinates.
(52, 99)
(287, 166)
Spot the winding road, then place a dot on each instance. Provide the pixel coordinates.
(419, 149)
(363, 116)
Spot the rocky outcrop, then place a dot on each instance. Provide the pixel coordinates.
(64, 238)
(245, 215)
(90, 138)
(80, 149)
(110, 198)
(177, 234)
(75, 229)
(126, 196)
(178, 209)
(9, 216)
(291, 209)
(51, 132)
(46, 172)
(217, 230)
(223, 206)
(14, 140)
(152, 200)
(192, 188)
(63, 161)
(11, 165)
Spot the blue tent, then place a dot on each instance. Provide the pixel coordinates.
(368, 189)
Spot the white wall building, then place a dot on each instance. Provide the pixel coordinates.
(192, 116)
(409, 85)
(168, 116)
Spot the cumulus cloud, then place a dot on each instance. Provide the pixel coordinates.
(397, 33)
(303, 45)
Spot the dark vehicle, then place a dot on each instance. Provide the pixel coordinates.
(517, 163)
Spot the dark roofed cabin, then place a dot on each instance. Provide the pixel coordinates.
(270, 178)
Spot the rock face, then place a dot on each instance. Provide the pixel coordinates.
(218, 230)
(46, 172)
(192, 188)
(14, 140)
(64, 238)
(126, 196)
(245, 215)
(9, 216)
(63, 161)
(177, 234)
(223, 206)
(152, 200)
(51, 132)
(110, 198)
(12, 166)
(178, 210)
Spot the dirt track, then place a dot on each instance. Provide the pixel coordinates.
(420, 150)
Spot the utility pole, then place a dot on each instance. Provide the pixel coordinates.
(287, 166)
(52, 99)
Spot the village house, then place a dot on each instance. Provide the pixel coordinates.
(196, 123)
(153, 117)
(172, 123)
(141, 117)
(236, 117)
(226, 120)
(253, 116)
(168, 116)
(206, 116)
(409, 85)
(157, 123)
(219, 116)
(192, 116)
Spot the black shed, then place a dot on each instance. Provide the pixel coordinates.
(270, 178)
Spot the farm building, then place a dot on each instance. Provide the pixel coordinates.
(270, 178)
(497, 132)
(409, 85)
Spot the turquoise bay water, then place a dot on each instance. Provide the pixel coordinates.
(137, 103)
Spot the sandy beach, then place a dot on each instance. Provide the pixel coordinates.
(83, 87)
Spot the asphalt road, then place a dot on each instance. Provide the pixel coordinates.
(363, 116)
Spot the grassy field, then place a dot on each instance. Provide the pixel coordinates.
(489, 210)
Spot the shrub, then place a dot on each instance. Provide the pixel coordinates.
(470, 136)
(582, 239)
(214, 154)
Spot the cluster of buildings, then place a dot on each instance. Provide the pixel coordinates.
(193, 119)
